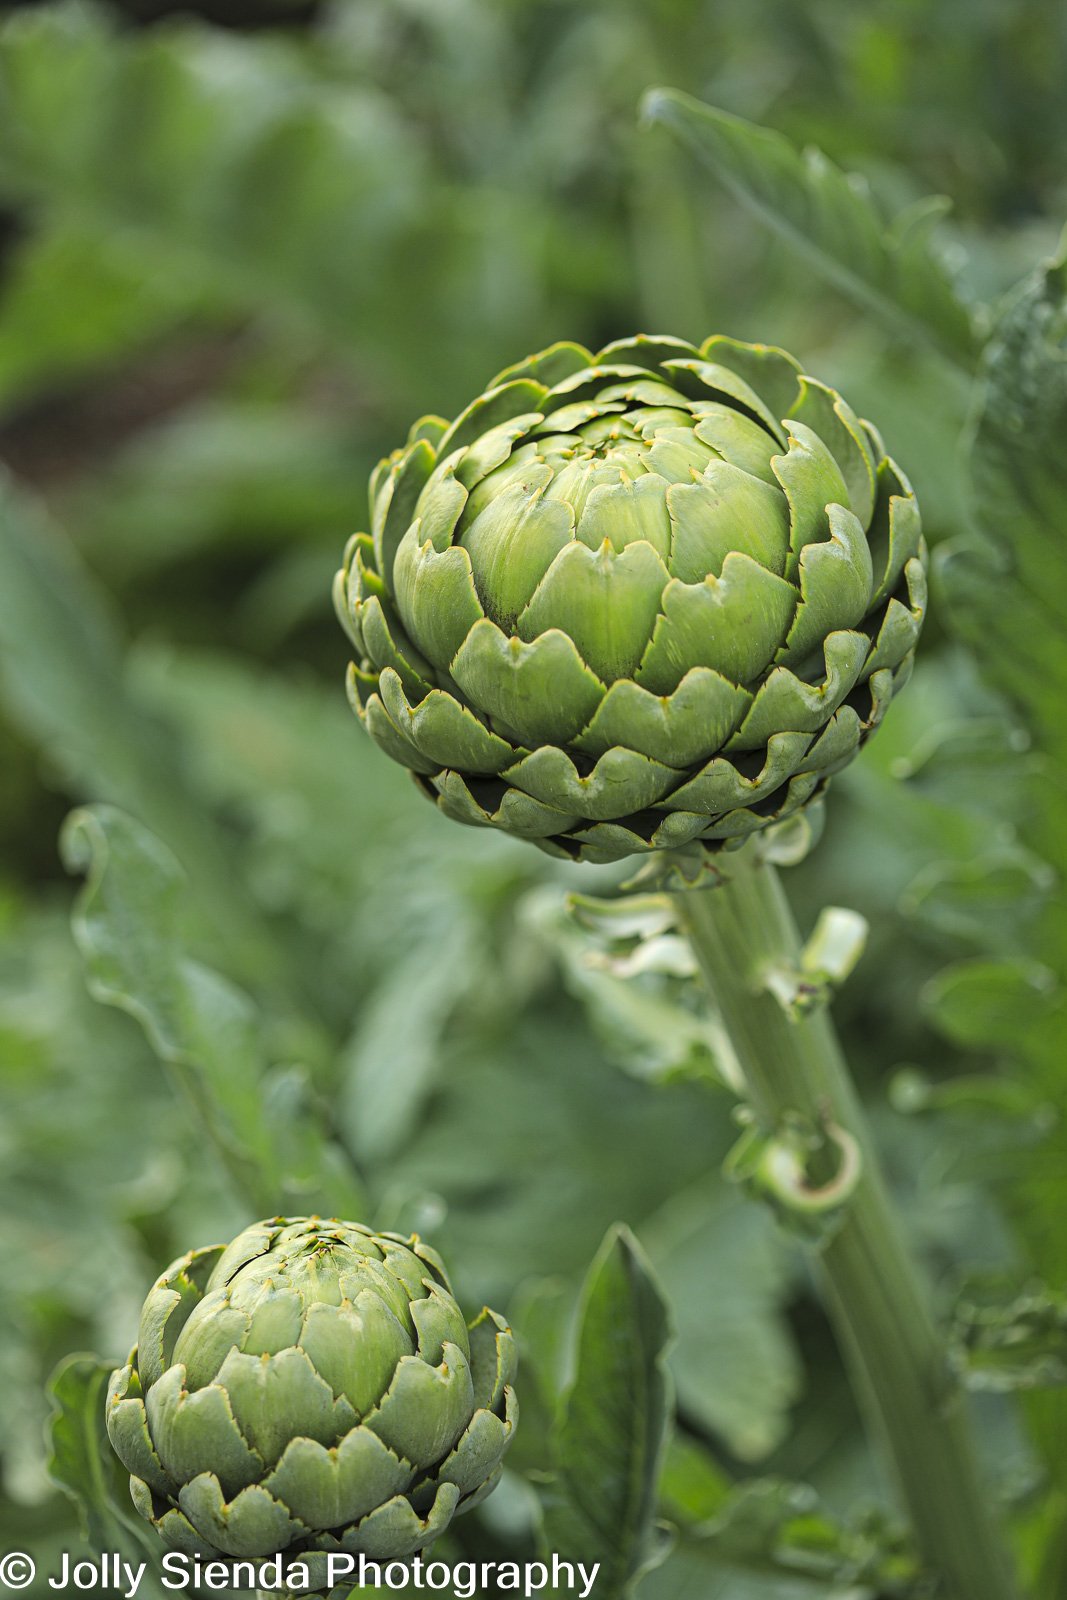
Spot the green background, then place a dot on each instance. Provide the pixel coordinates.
(241, 249)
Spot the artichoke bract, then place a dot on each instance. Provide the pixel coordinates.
(310, 1388)
(634, 600)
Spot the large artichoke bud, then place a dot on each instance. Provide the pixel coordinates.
(311, 1387)
(634, 600)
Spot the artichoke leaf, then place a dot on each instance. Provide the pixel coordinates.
(493, 1358)
(492, 449)
(354, 1348)
(604, 842)
(385, 733)
(426, 1253)
(613, 841)
(646, 350)
(541, 692)
(425, 1409)
(678, 730)
(578, 474)
(274, 1398)
(242, 1253)
(644, 391)
(502, 404)
(771, 373)
(207, 1339)
(514, 811)
(198, 1432)
(469, 1501)
(360, 683)
(648, 421)
(441, 504)
(386, 645)
(438, 1321)
(589, 384)
(882, 686)
(677, 455)
(173, 1527)
(704, 379)
(811, 482)
(679, 828)
(513, 542)
(835, 422)
(621, 781)
(788, 704)
(436, 596)
(127, 1428)
(607, 601)
(635, 509)
(551, 366)
(481, 1446)
(895, 536)
(431, 428)
(364, 579)
(275, 1318)
(555, 431)
(443, 730)
(836, 578)
(837, 743)
(344, 606)
(742, 822)
(169, 1305)
(394, 508)
(327, 1488)
(406, 1269)
(901, 624)
(736, 438)
(374, 1277)
(253, 1523)
(726, 511)
(723, 787)
(395, 1530)
(733, 624)
(380, 477)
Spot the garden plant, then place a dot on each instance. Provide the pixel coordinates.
(721, 1048)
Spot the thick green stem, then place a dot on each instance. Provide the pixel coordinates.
(741, 932)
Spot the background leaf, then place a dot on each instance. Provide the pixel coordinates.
(128, 928)
(84, 1463)
(1004, 594)
(1014, 598)
(64, 677)
(830, 216)
(612, 1422)
(728, 1273)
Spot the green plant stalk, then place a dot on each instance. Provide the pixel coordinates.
(879, 1306)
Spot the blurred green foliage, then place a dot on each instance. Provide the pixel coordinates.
(242, 247)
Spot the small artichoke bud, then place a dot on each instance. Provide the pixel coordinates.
(310, 1388)
(638, 600)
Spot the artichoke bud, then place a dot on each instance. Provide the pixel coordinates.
(638, 600)
(311, 1388)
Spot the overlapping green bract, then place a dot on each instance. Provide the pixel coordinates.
(634, 600)
(312, 1387)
